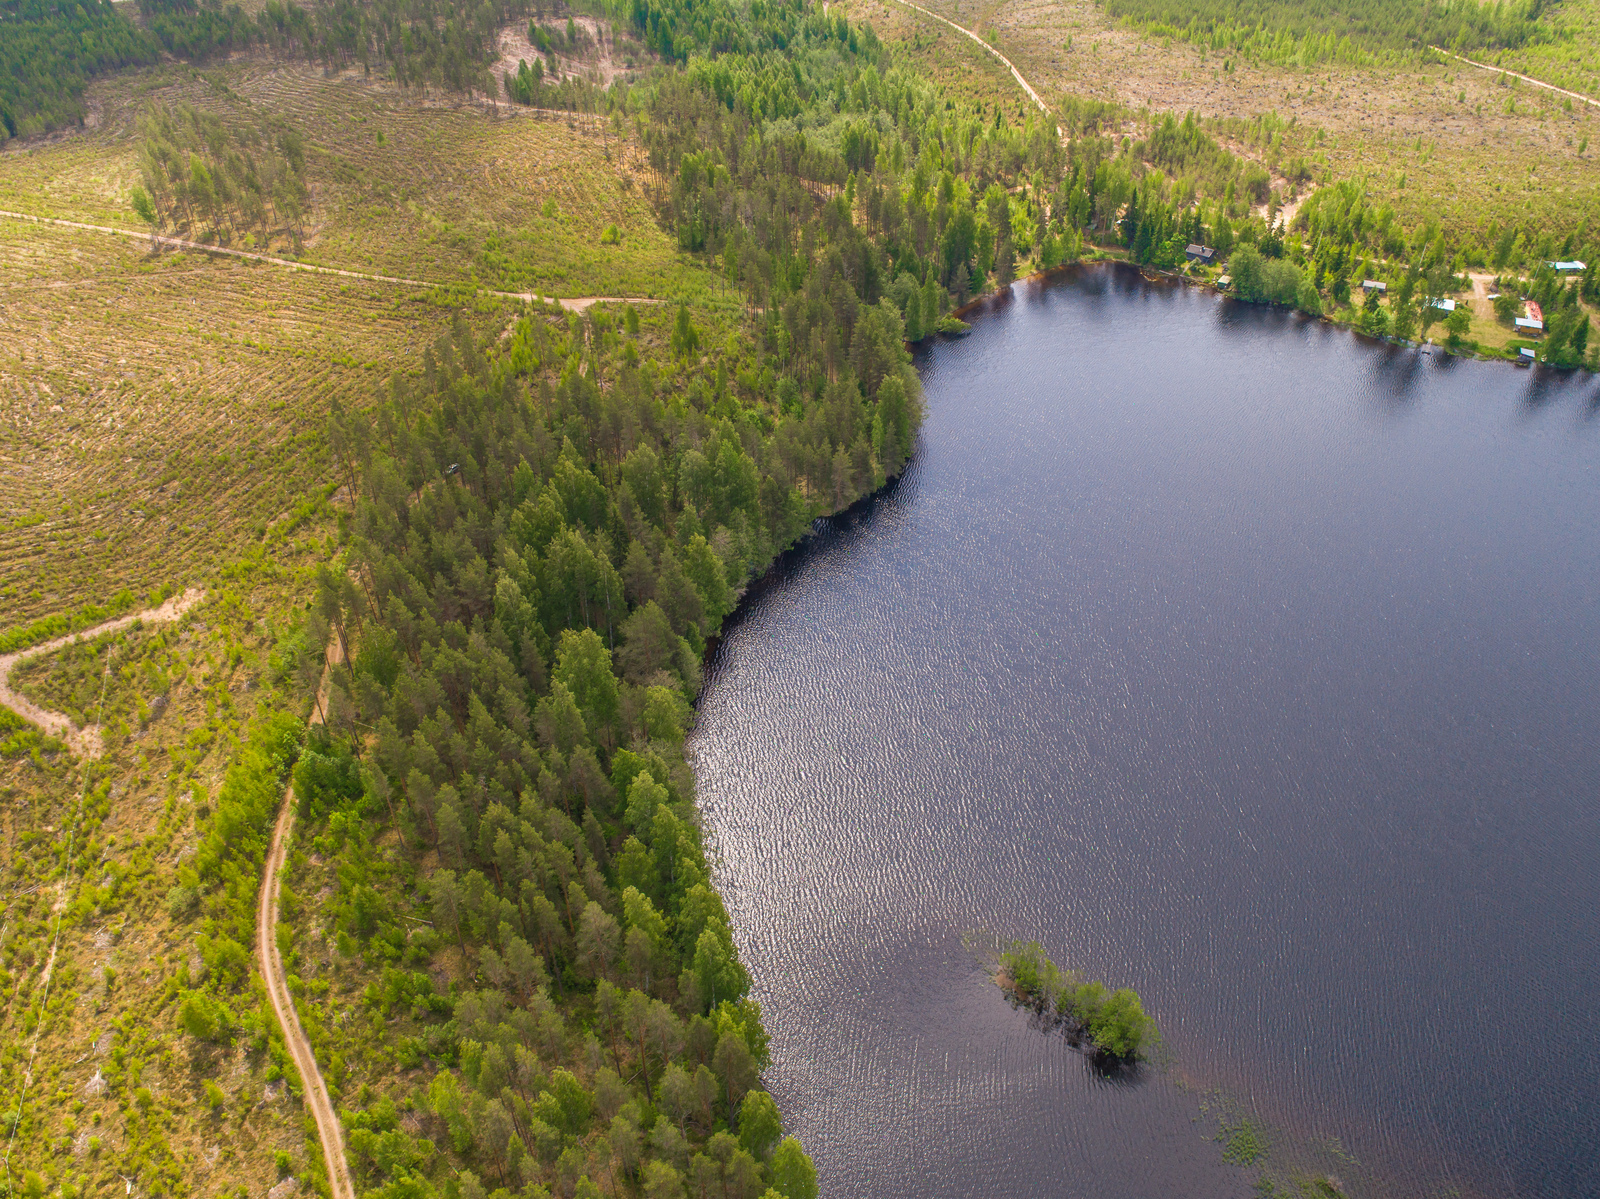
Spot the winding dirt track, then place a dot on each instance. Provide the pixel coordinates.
(1549, 87)
(329, 1130)
(1015, 74)
(84, 742)
(574, 304)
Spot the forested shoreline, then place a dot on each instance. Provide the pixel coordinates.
(536, 568)
(547, 528)
(546, 523)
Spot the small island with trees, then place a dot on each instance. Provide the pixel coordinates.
(1113, 1028)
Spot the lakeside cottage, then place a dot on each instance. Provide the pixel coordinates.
(1373, 285)
(1201, 254)
(1529, 324)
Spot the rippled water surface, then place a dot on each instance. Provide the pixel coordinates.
(1235, 660)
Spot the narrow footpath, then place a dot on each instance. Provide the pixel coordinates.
(573, 304)
(1015, 74)
(270, 961)
(1549, 87)
(84, 742)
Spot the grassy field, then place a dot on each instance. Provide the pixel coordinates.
(162, 424)
(115, 1094)
(1571, 61)
(156, 411)
(1445, 141)
(400, 185)
(157, 414)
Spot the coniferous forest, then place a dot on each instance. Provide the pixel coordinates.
(537, 568)
(49, 49)
(535, 521)
(1348, 30)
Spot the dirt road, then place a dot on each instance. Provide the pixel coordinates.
(84, 742)
(1549, 87)
(573, 304)
(270, 961)
(1015, 74)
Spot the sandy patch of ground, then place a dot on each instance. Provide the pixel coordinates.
(602, 70)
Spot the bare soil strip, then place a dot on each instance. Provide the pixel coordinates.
(575, 304)
(84, 742)
(1483, 66)
(315, 1091)
(1015, 74)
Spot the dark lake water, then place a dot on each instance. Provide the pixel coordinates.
(1236, 660)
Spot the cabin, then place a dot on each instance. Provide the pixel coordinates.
(1204, 255)
(1374, 285)
(1444, 305)
(1574, 265)
(1531, 326)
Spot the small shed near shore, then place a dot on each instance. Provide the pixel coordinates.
(1525, 355)
(1204, 255)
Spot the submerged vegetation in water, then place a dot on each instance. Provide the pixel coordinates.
(1243, 1143)
(1114, 1025)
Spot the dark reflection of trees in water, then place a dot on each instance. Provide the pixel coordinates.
(1547, 384)
(1120, 1072)
(828, 534)
(1397, 369)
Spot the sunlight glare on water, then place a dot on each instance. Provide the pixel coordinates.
(1236, 660)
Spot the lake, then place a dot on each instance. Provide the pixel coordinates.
(1235, 659)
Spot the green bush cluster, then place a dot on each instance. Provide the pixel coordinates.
(224, 876)
(19, 739)
(59, 624)
(528, 86)
(1114, 1023)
